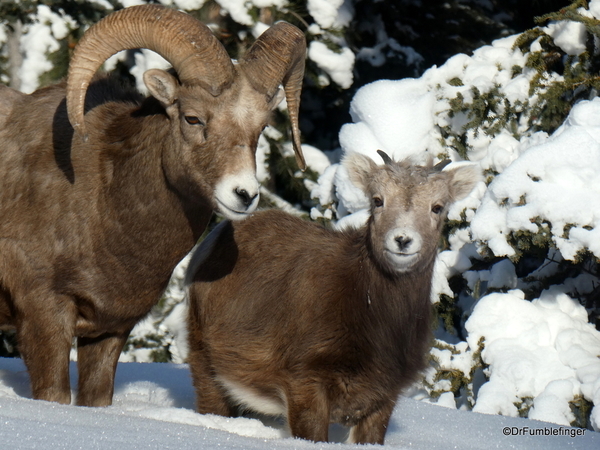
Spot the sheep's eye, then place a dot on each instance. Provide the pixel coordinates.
(437, 209)
(377, 202)
(193, 120)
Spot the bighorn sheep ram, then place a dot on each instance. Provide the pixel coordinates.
(290, 318)
(95, 214)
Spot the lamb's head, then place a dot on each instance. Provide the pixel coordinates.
(409, 204)
(215, 109)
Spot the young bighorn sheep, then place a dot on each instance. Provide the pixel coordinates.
(95, 214)
(290, 318)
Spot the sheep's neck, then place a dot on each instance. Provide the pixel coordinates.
(148, 227)
(403, 299)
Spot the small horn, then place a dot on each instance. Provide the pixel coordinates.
(385, 157)
(440, 166)
(189, 46)
(277, 57)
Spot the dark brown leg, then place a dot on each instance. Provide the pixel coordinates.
(44, 337)
(308, 411)
(372, 428)
(97, 363)
(210, 396)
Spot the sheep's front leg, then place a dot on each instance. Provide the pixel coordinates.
(372, 428)
(97, 363)
(44, 337)
(308, 411)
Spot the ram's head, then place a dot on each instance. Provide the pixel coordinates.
(215, 110)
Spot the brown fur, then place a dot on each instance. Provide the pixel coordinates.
(91, 231)
(319, 323)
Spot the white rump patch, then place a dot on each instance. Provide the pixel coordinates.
(249, 398)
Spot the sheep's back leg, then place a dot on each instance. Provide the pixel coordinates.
(308, 411)
(211, 397)
(44, 336)
(5, 308)
(97, 363)
(372, 428)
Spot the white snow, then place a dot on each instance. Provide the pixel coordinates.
(189, 5)
(337, 65)
(103, 3)
(128, 3)
(393, 116)
(315, 158)
(557, 181)
(153, 408)
(144, 60)
(239, 9)
(38, 40)
(325, 12)
(569, 36)
(543, 349)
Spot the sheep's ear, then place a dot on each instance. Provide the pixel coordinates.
(360, 169)
(462, 181)
(162, 86)
(201, 252)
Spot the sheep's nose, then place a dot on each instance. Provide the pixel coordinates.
(403, 242)
(245, 197)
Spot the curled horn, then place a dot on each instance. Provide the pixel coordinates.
(189, 46)
(277, 57)
(386, 158)
(440, 166)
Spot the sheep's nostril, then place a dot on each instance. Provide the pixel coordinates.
(403, 242)
(246, 198)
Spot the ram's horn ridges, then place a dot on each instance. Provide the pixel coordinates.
(189, 46)
(277, 58)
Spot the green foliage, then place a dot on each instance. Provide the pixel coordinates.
(527, 243)
(579, 79)
(559, 81)
(582, 410)
(159, 352)
(60, 64)
(450, 378)
(524, 405)
(488, 112)
(447, 310)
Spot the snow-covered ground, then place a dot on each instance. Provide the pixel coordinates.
(153, 409)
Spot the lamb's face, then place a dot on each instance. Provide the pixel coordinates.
(408, 207)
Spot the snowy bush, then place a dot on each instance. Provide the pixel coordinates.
(516, 284)
(520, 263)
